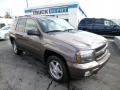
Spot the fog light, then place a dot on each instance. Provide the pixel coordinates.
(87, 73)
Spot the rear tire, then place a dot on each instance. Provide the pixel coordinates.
(7, 36)
(15, 49)
(57, 69)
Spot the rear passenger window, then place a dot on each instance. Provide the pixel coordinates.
(14, 24)
(89, 21)
(98, 21)
(21, 25)
(31, 25)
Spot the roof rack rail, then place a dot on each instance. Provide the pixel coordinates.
(28, 15)
(25, 16)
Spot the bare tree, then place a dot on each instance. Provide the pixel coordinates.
(1, 17)
(7, 15)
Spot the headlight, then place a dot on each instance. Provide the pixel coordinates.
(85, 56)
(77, 57)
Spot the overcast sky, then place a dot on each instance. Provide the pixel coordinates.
(93, 8)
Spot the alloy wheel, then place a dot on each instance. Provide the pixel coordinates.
(56, 69)
(14, 47)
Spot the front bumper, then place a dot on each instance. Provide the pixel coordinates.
(87, 69)
(2, 36)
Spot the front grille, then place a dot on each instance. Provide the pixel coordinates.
(101, 51)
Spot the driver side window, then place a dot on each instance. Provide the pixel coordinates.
(31, 25)
(106, 23)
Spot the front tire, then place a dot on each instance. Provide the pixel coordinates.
(57, 69)
(15, 49)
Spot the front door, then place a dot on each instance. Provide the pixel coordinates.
(33, 42)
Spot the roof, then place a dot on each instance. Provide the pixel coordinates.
(40, 17)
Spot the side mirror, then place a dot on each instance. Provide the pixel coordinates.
(33, 32)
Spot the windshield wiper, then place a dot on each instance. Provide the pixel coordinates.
(54, 31)
(68, 29)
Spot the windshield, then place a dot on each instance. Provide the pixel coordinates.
(55, 25)
(5, 27)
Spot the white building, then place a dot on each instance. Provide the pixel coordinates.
(71, 12)
(6, 20)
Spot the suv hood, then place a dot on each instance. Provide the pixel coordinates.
(80, 39)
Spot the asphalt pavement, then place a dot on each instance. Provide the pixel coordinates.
(26, 73)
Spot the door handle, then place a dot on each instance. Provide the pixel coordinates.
(19, 35)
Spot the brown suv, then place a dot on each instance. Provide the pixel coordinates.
(67, 52)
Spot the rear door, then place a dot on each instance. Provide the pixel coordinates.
(20, 33)
(98, 26)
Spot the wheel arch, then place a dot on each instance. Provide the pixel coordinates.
(49, 53)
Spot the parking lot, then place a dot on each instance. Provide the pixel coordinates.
(26, 73)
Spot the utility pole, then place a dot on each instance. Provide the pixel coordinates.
(27, 3)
